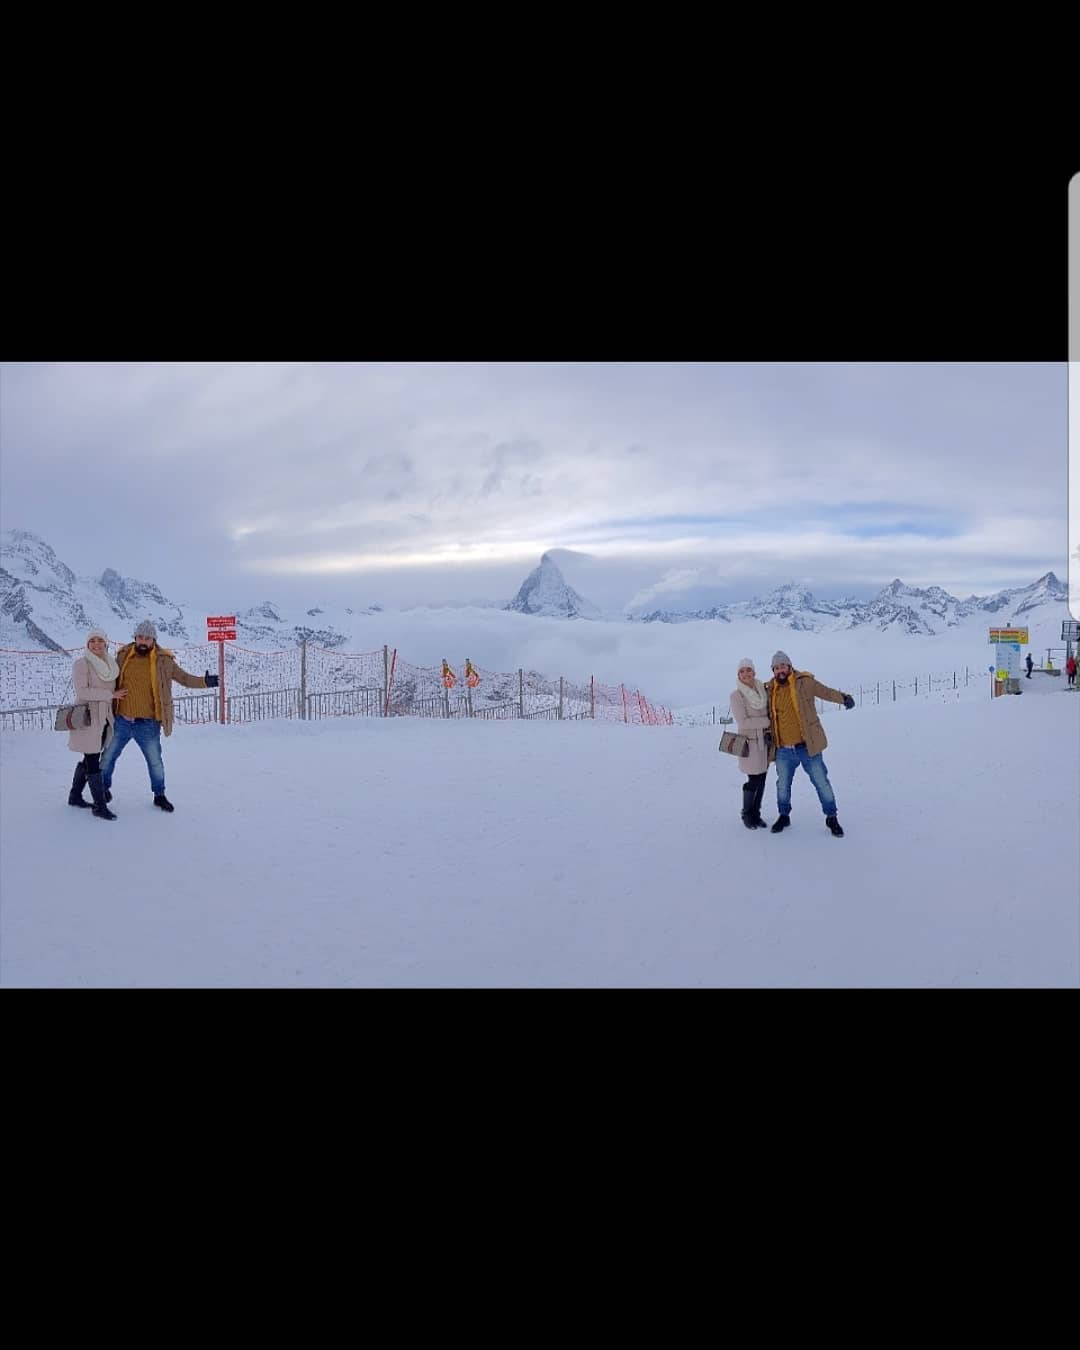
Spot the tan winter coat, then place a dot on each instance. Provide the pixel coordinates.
(168, 670)
(806, 690)
(92, 689)
(750, 722)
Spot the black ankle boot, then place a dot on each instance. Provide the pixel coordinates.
(163, 802)
(78, 782)
(782, 822)
(834, 826)
(97, 791)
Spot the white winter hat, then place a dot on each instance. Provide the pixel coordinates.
(97, 632)
(743, 663)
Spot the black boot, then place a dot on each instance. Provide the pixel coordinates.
(78, 782)
(97, 791)
(748, 806)
(834, 825)
(759, 792)
(782, 822)
(163, 802)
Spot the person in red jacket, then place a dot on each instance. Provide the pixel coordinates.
(1070, 669)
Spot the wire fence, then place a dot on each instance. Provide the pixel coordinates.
(888, 690)
(312, 683)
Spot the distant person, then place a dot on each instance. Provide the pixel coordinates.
(1030, 664)
(799, 738)
(1070, 670)
(1049, 664)
(94, 677)
(750, 705)
(147, 672)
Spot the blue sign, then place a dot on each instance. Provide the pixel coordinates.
(991, 669)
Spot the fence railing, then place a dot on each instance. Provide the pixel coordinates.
(881, 691)
(315, 682)
(344, 703)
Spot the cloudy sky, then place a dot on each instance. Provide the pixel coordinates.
(660, 483)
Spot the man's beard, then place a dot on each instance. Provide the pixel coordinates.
(143, 651)
(782, 678)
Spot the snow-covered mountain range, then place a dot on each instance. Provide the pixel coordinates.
(45, 605)
(896, 608)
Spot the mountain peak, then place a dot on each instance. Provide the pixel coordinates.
(545, 592)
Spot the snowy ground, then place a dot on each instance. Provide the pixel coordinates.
(405, 853)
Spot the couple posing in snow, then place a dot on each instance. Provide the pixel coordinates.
(139, 681)
(781, 724)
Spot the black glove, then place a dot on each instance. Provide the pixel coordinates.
(211, 680)
(849, 702)
(768, 740)
(746, 750)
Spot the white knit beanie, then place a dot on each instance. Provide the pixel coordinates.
(97, 632)
(743, 663)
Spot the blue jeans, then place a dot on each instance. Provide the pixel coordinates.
(788, 759)
(146, 733)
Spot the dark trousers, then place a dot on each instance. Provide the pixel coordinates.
(752, 793)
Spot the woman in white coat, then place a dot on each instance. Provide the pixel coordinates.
(750, 708)
(94, 676)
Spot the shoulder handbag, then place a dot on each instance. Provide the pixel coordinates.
(731, 744)
(72, 717)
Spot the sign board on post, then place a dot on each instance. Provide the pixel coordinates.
(1009, 635)
(1070, 631)
(221, 628)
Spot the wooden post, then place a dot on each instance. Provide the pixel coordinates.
(521, 693)
(592, 697)
(390, 684)
(878, 688)
(894, 691)
(916, 686)
(714, 715)
(954, 679)
(221, 678)
(625, 716)
(560, 697)
(468, 700)
(385, 678)
(303, 678)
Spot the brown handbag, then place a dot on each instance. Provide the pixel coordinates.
(730, 744)
(72, 717)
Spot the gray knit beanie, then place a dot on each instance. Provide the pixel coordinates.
(146, 629)
(781, 659)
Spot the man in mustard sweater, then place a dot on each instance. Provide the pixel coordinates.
(799, 738)
(147, 672)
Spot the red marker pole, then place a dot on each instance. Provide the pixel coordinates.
(221, 677)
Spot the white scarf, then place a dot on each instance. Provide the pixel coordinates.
(106, 667)
(754, 695)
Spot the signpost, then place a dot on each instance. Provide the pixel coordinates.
(1007, 643)
(221, 628)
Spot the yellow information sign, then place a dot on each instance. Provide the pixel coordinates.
(1002, 675)
(1009, 635)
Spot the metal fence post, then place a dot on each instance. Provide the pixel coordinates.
(894, 691)
(592, 697)
(560, 697)
(385, 678)
(303, 678)
(521, 692)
